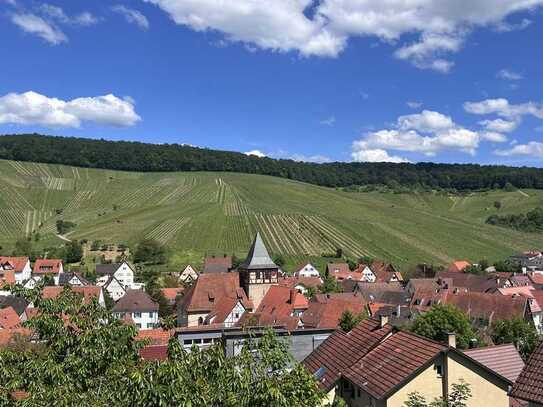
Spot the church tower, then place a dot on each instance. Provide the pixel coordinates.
(258, 272)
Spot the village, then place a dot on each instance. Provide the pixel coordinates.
(351, 328)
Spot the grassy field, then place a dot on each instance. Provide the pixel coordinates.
(199, 213)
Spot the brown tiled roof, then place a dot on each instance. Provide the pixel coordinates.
(490, 307)
(154, 352)
(225, 261)
(472, 282)
(536, 278)
(88, 292)
(222, 309)
(6, 277)
(18, 263)
(19, 395)
(334, 269)
(7, 335)
(340, 351)
(282, 301)
(305, 281)
(520, 280)
(392, 362)
(529, 385)
(135, 301)
(502, 359)
(45, 266)
(324, 310)
(9, 318)
(209, 288)
(259, 319)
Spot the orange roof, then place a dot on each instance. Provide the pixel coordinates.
(9, 318)
(156, 336)
(171, 293)
(44, 266)
(7, 335)
(536, 278)
(18, 263)
(325, 311)
(89, 292)
(282, 301)
(458, 266)
(7, 277)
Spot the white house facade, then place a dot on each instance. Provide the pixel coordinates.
(307, 270)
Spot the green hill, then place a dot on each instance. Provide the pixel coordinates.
(199, 212)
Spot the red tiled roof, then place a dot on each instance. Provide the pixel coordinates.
(337, 269)
(340, 351)
(259, 319)
(19, 395)
(9, 318)
(282, 301)
(458, 266)
(392, 362)
(529, 385)
(470, 281)
(209, 288)
(172, 293)
(6, 277)
(154, 352)
(536, 278)
(502, 359)
(223, 308)
(88, 292)
(18, 263)
(326, 313)
(156, 336)
(7, 335)
(305, 281)
(385, 272)
(44, 266)
(225, 261)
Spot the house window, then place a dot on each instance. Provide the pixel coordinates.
(136, 314)
(138, 326)
(151, 315)
(236, 315)
(439, 369)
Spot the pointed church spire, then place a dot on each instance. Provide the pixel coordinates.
(258, 257)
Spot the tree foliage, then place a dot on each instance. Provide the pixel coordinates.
(441, 320)
(133, 156)
(458, 397)
(348, 320)
(517, 331)
(87, 357)
(150, 251)
(329, 285)
(532, 221)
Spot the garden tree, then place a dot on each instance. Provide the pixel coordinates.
(532, 221)
(497, 205)
(73, 252)
(339, 253)
(168, 322)
(352, 265)
(310, 292)
(458, 397)
(507, 267)
(91, 358)
(441, 320)
(517, 331)
(23, 247)
(329, 285)
(64, 226)
(348, 320)
(367, 260)
(150, 251)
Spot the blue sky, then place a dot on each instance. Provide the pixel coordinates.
(335, 80)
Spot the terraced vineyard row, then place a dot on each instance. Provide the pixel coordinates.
(166, 231)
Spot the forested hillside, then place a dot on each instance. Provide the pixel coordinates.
(132, 156)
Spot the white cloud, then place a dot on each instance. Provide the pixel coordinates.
(508, 75)
(256, 153)
(34, 24)
(58, 14)
(132, 16)
(499, 125)
(361, 154)
(493, 137)
(32, 108)
(323, 27)
(504, 26)
(413, 104)
(532, 149)
(309, 159)
(86, 19)
(425, 133)
(329, 121)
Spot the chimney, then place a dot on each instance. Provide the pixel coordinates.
(383, 320)
(398, 311)
(451, 339)
(293, 293)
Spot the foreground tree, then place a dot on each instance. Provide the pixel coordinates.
(86, 357)
(348, 320)
(444, 319)
(458, 397)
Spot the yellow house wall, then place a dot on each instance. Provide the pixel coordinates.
(483, 390)
(428, 384)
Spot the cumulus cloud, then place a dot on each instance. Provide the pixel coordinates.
(58, 14)
(499, 125)
(318, 158)
(426, 133)
(508, 75)
(256, 153)
(532, 149)
(132, 16)
(503, 108)
(323, 27)
(505, 26)
(493, 137)
(361, 154)
(31, 108)
(36, 25)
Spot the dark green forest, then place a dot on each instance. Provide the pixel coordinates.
(529, 222)
(134, 156)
